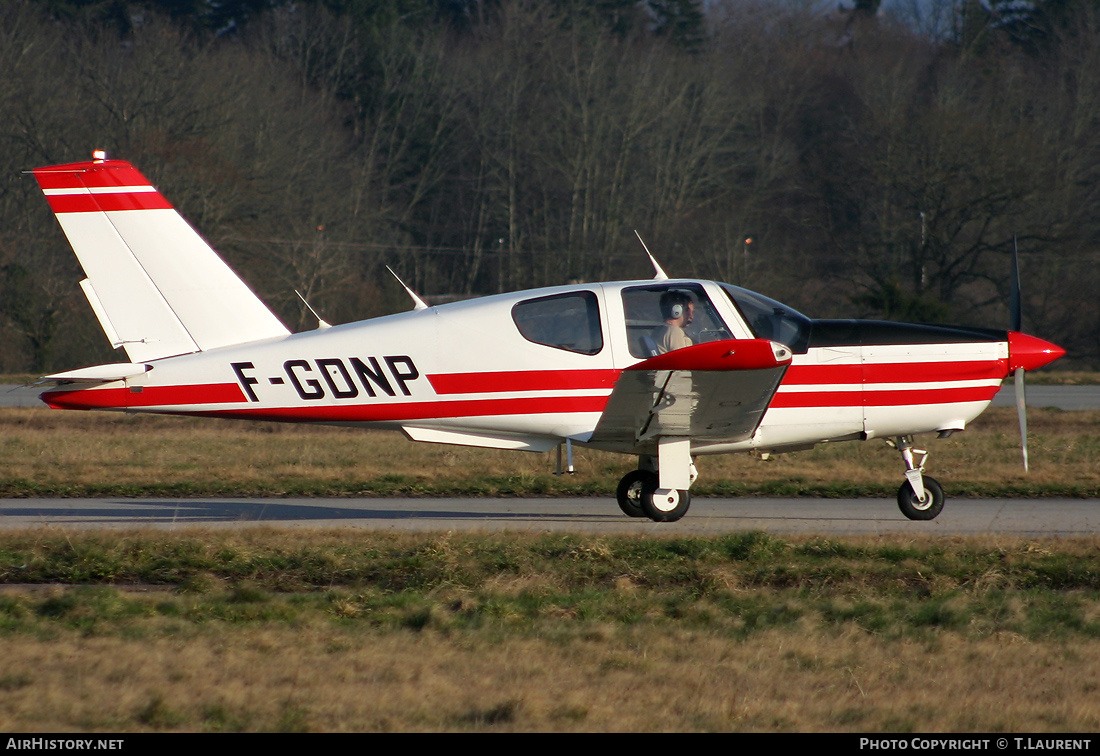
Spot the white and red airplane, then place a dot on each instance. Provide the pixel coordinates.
(664, 369)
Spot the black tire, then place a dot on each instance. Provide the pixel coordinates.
(629, 492)
(911, 506)
(664, 514)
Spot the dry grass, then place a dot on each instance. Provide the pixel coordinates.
(45, 452)
(640, 681)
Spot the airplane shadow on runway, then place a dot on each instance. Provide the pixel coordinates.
(159, 512)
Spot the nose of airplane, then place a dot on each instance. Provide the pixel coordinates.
(1029, 352)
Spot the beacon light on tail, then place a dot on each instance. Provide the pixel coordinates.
(667, 370)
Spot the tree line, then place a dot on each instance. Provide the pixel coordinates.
(848, 162)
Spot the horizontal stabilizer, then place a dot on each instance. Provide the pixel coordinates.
(98, 373)
(157, 288)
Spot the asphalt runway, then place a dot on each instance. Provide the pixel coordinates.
(1060, 397)
(20, 396)
(1017, 517)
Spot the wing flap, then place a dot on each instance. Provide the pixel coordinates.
(716, 392)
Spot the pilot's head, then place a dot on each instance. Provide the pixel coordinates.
(677, 306)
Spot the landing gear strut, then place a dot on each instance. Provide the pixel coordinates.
(920, 497)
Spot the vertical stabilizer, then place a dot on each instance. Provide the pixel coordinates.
(156, 286)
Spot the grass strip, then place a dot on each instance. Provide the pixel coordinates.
(907, 581)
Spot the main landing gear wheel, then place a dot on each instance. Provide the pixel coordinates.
(914, 508)
(629, 492)
(665, 505)
(638, 496)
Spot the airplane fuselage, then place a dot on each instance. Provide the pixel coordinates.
(464, 372)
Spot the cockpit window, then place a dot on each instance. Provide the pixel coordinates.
(563, 321)
(656, 322)
(768, 319)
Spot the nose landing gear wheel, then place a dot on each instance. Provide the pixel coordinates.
(914, 508)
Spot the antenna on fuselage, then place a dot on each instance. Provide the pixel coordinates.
(418, 303)
(321, 323)
(660, 274)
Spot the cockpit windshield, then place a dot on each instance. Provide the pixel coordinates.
(768, 319)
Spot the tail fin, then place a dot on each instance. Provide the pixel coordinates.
(156, 286)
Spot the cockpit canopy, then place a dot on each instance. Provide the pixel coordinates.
(658, 316)
(769, 319)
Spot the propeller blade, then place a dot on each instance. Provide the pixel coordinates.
(1014, 305)
(1016, 310)
(1021, 412)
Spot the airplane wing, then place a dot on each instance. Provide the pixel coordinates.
(717, 391)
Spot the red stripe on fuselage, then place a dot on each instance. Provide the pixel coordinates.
(896, 372)
(873, 398)
(523, 380)
(169, 397)
(149, 396)
(822, 375)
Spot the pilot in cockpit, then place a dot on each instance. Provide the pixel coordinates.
(678, 310)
